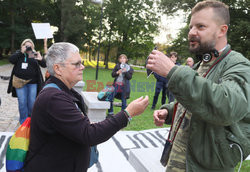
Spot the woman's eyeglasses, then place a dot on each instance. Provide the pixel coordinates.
(77, 64)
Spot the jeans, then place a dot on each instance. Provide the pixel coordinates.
(118, 89)
(26, 97)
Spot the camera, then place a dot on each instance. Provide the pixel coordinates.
(30, 52)
(166, 152)
(28, 49)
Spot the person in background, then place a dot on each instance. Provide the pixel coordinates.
(190, 62)
(173, 57)
(60, 132)
(161, 86)
(213, 109)
(122, 74)
(47, 75)
(26, 78)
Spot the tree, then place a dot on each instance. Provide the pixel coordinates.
(239, 29)
(130, 25)
(17, 17)
(72, 17)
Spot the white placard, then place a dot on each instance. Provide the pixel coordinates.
(42, 30)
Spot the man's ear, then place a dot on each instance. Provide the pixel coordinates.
(223, 30)
(57, 69)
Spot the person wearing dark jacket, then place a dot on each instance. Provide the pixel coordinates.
(161, 85)
(60, 133)
(173, 57)
(26, 78)
(122, 74)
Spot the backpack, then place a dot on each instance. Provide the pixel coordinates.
(18, 147)
(106, 93)
(19, 144)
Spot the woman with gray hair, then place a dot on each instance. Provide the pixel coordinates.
(61, 134)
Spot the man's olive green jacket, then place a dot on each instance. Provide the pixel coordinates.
(220, 107)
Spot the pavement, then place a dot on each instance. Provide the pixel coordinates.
(9, 114)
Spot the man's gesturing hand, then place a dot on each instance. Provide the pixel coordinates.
(160, 117)
(159, 63)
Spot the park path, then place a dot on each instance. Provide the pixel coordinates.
(9, 115)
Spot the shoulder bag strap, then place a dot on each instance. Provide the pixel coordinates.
(26, 162)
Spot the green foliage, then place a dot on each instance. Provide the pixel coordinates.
(130, 27)
(16, 16)
(180, 45)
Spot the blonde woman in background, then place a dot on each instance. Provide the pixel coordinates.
(26, 77)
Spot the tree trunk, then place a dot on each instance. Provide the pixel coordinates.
(106, 61)
(1, 53)
(63, 21)
(89, 53)
(13, 33)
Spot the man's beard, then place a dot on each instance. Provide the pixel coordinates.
(202, 48)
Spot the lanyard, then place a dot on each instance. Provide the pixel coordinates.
(25, 58)
(181, 119)
(183, 115)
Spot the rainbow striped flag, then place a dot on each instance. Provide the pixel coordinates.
(18, 147)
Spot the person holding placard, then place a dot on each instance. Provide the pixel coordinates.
(26, 77)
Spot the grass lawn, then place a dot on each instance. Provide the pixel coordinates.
(4, 61)
(140, 86)
(245, 166)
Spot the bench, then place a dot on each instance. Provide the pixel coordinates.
(96, 110)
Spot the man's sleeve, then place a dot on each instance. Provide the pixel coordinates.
(220, 103)
(170, 109)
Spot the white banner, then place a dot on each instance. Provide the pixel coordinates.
(42, 30)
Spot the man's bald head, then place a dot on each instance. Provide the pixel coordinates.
(190, 61)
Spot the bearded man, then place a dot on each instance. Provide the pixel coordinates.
(210, 121)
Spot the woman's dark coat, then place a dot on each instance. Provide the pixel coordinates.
(61, 134)
(13, 59)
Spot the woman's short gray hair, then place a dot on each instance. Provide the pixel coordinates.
(58, 53)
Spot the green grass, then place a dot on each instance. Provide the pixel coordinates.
(140, 86)
(245, 166)
(4, 61)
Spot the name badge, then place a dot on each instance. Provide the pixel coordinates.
(24, 65)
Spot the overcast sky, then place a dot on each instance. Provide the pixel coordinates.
(170, 26)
